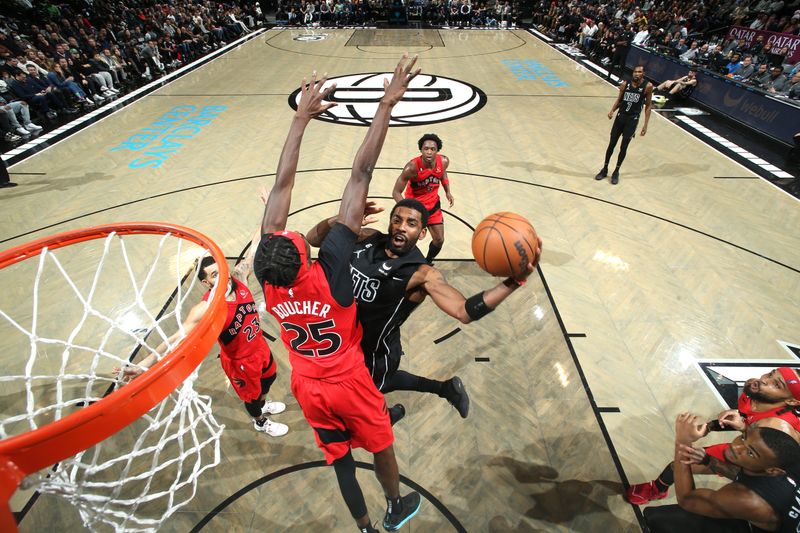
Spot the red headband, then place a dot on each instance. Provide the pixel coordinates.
(792, 381)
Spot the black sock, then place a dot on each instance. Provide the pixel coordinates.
(368, 529)
(402, 380)
(395, 505)
(665, 479)
(433, 251)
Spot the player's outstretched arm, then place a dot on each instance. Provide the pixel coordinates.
(451, 301)
(244, 268)
(276, 212)
(129, 371)
(355, 192)
(409, 171)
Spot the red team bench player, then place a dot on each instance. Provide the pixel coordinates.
(773, 395)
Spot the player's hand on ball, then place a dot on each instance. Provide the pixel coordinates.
(312, 96)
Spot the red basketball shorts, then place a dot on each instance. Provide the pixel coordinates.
(245, 373)
(344, 414)
(434, 206)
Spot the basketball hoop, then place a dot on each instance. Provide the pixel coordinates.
(73, 425)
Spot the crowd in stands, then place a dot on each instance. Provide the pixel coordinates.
(454, 13)
(60, 59)
(693, 31)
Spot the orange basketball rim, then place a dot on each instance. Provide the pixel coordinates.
(25, 454)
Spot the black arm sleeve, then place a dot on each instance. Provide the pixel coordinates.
(334, 257)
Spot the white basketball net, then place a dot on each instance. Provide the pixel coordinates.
(75, 333)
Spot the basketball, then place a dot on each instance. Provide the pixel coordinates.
(504, 243)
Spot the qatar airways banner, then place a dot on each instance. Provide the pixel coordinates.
(776, 40)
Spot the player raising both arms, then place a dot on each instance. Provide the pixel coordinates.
(313, 303)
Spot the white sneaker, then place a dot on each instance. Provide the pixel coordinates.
(273, 408)
(30, 126)
(97, 98)
(22, 131)
(273, 429)
(113, 90)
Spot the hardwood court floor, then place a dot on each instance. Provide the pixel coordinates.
(671, 266)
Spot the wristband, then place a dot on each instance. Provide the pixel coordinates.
(513, 283)
(706, 460)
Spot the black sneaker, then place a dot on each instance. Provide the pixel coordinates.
(615, 177)
(396, 413)
(457, 396)
(602, 174)
(394, 521)
(7, 184)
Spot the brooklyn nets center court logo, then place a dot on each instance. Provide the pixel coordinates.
(428, 100)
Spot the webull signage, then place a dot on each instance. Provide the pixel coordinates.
(769, 115)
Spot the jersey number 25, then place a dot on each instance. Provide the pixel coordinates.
(316, 331)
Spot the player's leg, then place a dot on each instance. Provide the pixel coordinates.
(362, 409)
(333, 437)
(452, 390)
(398, 509)
(670, 518)
(256, 409)
(616, 133)
(627, 136)
(270, 407)
(676, 88)
(251, 378)
(345, 468)
(379, 369)
(436, 231)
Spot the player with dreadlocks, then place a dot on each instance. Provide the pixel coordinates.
(314, 305)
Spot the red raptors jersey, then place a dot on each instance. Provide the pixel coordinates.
(425, 187)
(745, 408)
(322, 337)
(241, 336)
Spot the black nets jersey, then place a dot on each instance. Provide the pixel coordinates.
(632, 99)
(379, 287)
